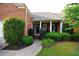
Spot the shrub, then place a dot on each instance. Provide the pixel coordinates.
(42, 32)
(66, 36)
(13, 30)
(47, 42)
(75, 36)
(54, 35)
(31, 32)
(27, 40)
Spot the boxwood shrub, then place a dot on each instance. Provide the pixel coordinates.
(66, 36)
(47, 42)
(54, 35)
(13, 29)
(27, 40)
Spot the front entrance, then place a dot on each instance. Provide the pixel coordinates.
(37, 28)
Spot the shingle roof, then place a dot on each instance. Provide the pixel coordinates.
(17, 4)
(37, 16)
(20, 4)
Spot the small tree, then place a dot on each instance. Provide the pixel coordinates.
(71, 11)
(71, 14)
(13, 30)
(69, 25)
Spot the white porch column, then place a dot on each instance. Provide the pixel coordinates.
(61, 25)
(50, 26)
(40, 24)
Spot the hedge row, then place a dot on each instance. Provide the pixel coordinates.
(62, 36)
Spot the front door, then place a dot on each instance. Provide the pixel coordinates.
(37, 28)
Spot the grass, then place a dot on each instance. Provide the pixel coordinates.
(61, 49)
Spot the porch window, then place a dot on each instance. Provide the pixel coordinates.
(44, 26)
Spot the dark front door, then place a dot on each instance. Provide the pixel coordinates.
(37, 28)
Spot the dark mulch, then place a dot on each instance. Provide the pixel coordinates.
(15, 47)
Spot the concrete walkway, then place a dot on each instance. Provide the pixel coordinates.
(28, 51)
(2, 42)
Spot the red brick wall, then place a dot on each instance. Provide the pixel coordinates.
(29, 21)
(8, 10)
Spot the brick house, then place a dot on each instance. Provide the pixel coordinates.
(49, 21)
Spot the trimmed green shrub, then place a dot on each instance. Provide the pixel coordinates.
(75, 36)
(27, 40)
(66, 36)
(47, 42)
(54, 35)
(13, 29)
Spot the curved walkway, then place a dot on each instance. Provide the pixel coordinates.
(28, 51)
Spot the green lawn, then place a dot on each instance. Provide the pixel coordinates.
(61, 49)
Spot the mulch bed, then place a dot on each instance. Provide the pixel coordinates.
(15, 47)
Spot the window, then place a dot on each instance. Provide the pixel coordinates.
(45, 26)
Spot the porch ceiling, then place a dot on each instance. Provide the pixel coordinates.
(42, 16)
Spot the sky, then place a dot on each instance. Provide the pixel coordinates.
(55, 6)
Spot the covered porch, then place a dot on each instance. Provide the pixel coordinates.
(49, 26)
(52, 22)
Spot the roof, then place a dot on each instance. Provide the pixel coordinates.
(37, 16)
(20, 4)
(17, 4)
